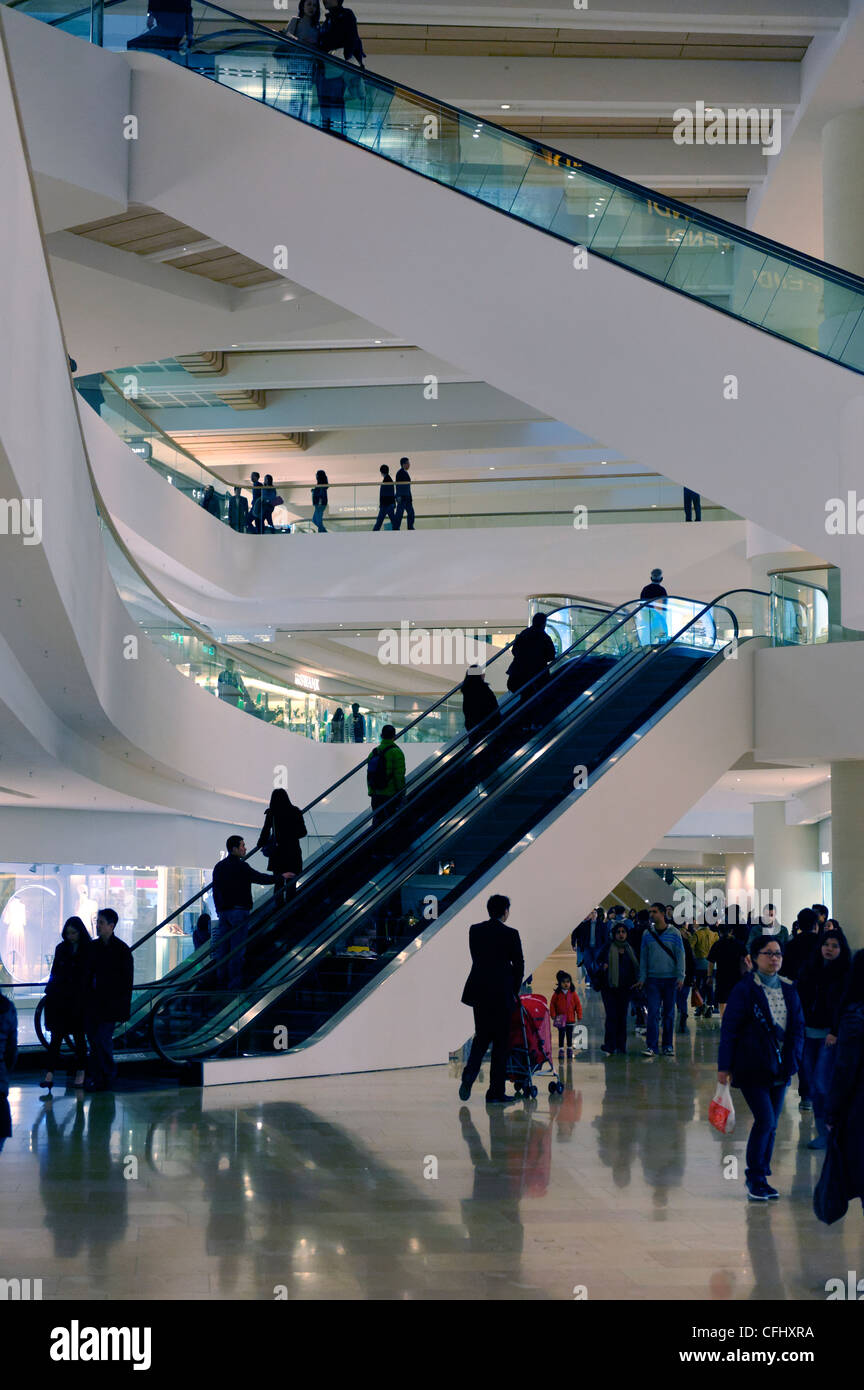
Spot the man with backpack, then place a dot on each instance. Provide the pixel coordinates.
(385, 771)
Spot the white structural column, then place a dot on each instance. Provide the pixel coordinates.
(843, 191)
(786, 861)
(847, 840)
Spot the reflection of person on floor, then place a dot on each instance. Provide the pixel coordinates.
(491, 1213)
(566, 1110)
(69, 1157)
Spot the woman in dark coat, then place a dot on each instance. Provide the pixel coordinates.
(283, 829)
(65, 997)
(761, 1041)
(822, 987)
(845, 1102)
(479, 705)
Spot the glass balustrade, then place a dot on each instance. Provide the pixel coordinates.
(721, 265)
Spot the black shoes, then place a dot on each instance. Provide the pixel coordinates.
(464, 1088)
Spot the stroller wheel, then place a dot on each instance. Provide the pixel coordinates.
(532, 1092)
(555, 1088)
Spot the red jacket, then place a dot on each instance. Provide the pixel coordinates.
(569, 1004)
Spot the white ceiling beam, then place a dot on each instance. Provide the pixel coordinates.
(282, 371)
(594, 86)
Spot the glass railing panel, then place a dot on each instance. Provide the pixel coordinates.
(617, 219)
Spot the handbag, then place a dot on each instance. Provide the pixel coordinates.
(721, 1111)
(560, 1020)
(830, 1199)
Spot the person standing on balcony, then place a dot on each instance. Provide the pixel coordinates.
(692, 505)
(319, 499)
(358, 725)
(255, 509)
(386, 500)
(238, 511)
(404, 501)
(230, 687)
(211, 503)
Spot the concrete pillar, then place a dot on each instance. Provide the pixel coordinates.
(786, 861)
(843, 191)
(847, 848)
(740, 877)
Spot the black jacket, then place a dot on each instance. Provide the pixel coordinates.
(532, 651)
(109, 994)
(653, 591)
(478, 703)
(232, 883)
(339, 30)
(497, 964)
(66, 993)
(581, 937)
(821, 986)
(238, 512)
(387, 493)
(213, 505)
(747, 1047)
(797, 953)
(287, 831)
(845, 1102)
(403, 484)
(628, 973)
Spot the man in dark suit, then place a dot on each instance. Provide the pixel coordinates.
(497, 967)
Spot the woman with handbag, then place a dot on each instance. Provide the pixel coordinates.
(281, 833)
(65, 998)
(761, 1042)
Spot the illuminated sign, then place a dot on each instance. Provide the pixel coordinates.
(307, 682)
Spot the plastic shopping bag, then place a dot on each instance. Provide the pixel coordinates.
(721, 1111)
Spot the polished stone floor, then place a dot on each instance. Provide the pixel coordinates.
(383, 1186)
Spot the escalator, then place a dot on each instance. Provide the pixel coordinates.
(391, 881)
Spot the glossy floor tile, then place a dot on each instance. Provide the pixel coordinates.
(382, 1186)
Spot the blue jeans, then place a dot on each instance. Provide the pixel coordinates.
(817, 1064)
(102, 1066)
(318, 518)
(660, 995)
(228, 932)
(766, 1104)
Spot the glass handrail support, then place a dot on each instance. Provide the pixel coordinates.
(445, 817)
(769, 286)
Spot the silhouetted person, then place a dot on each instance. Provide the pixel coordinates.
(491, 990)
(845, 1101)
(201, 933)
(232, 898)
(532, 652)
(358, 725)
(109, 998)
(268, 502)
(386, 500)
(338, 32)
(404, 500)
(281, 833)
(319, 499)
(692, 505)
(479, 705)
(230, 687)
(655, 615)
(255, 509)
(66, 997)
(337, 726)
(211, 503)
(238, 511)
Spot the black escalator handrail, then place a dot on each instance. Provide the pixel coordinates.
(273, 988)
(352, 772)
(721, 225)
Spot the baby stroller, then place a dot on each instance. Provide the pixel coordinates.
(530, 1048)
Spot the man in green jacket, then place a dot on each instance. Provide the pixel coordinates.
(385, 770)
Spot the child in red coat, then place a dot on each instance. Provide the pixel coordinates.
(566, 1009)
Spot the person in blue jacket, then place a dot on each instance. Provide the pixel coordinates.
(761, 1042)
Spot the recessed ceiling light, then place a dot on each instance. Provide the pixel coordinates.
(592, 214)
(505, 106)
(434, 427)
(603, 463)
(491, 468)
(378, 342)
(476, 135)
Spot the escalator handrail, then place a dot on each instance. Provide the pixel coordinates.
(618, 677)
(730, 230)
(271, 989)
(202, 892)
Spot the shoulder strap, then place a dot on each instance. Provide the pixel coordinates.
(662, 944)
